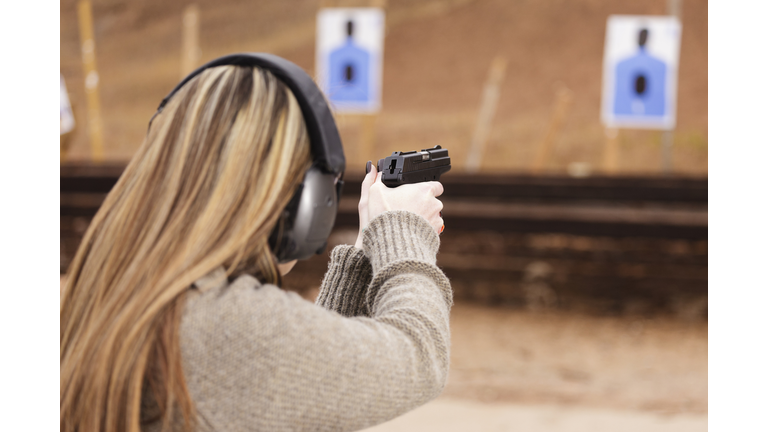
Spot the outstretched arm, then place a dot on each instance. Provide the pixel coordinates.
(345, 284)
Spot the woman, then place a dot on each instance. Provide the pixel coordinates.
(172, 316)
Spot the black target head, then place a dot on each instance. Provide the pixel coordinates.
(350, 28)
(640, 84)
(642, 37)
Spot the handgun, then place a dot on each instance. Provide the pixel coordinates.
(414, 166)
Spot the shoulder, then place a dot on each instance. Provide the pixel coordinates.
(228, 314)
(228, 294)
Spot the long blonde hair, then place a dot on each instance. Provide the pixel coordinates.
(205, 189)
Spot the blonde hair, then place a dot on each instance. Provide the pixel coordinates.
(205, 189)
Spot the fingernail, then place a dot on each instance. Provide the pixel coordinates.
(368, 167)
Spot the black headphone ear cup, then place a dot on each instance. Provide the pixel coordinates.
(281, 240)
(308, 219)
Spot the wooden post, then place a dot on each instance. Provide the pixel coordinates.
(667, 139)
(611, 152)
(486, 113)
(674, 8)
(88, 50)
(563, 99)
(190, 39)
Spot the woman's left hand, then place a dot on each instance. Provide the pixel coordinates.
(362, 207)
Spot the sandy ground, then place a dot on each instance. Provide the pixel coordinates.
(513, 369)
(453, 415)
(517, 370)
(501, 355)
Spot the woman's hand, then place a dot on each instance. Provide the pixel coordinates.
(419, 198)
(362, 206)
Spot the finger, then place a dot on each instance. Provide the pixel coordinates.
(435, 208)
(368, 180)
(378, 176)
(439, 225)
(437, 188)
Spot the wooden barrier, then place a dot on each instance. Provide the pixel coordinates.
(619, 241)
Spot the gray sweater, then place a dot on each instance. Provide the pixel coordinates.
(373, 346)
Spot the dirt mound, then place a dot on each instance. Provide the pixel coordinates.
(437, 55)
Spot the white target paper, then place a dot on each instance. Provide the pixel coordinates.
(67, 119)
(350, 42)
(640, 66)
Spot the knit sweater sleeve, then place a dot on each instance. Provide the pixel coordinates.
(345, 284)
(260, 358)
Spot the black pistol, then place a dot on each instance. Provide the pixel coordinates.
(414, 166)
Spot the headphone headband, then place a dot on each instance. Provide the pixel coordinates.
(325, 142)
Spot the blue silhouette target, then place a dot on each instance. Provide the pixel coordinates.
(640, 83)
(348, 57)
(640, 72)
(349, 74)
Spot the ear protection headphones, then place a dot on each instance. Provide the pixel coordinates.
(307, 220)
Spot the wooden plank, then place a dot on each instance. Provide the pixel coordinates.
(485, 115)
(190, 39)
(611, 151)
(680, 190)
(564, 212)
(676, 190)
(88, 50)
(563, 99)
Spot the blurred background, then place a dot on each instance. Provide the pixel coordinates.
(578, 254)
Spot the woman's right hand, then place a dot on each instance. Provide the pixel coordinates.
(419, 198)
